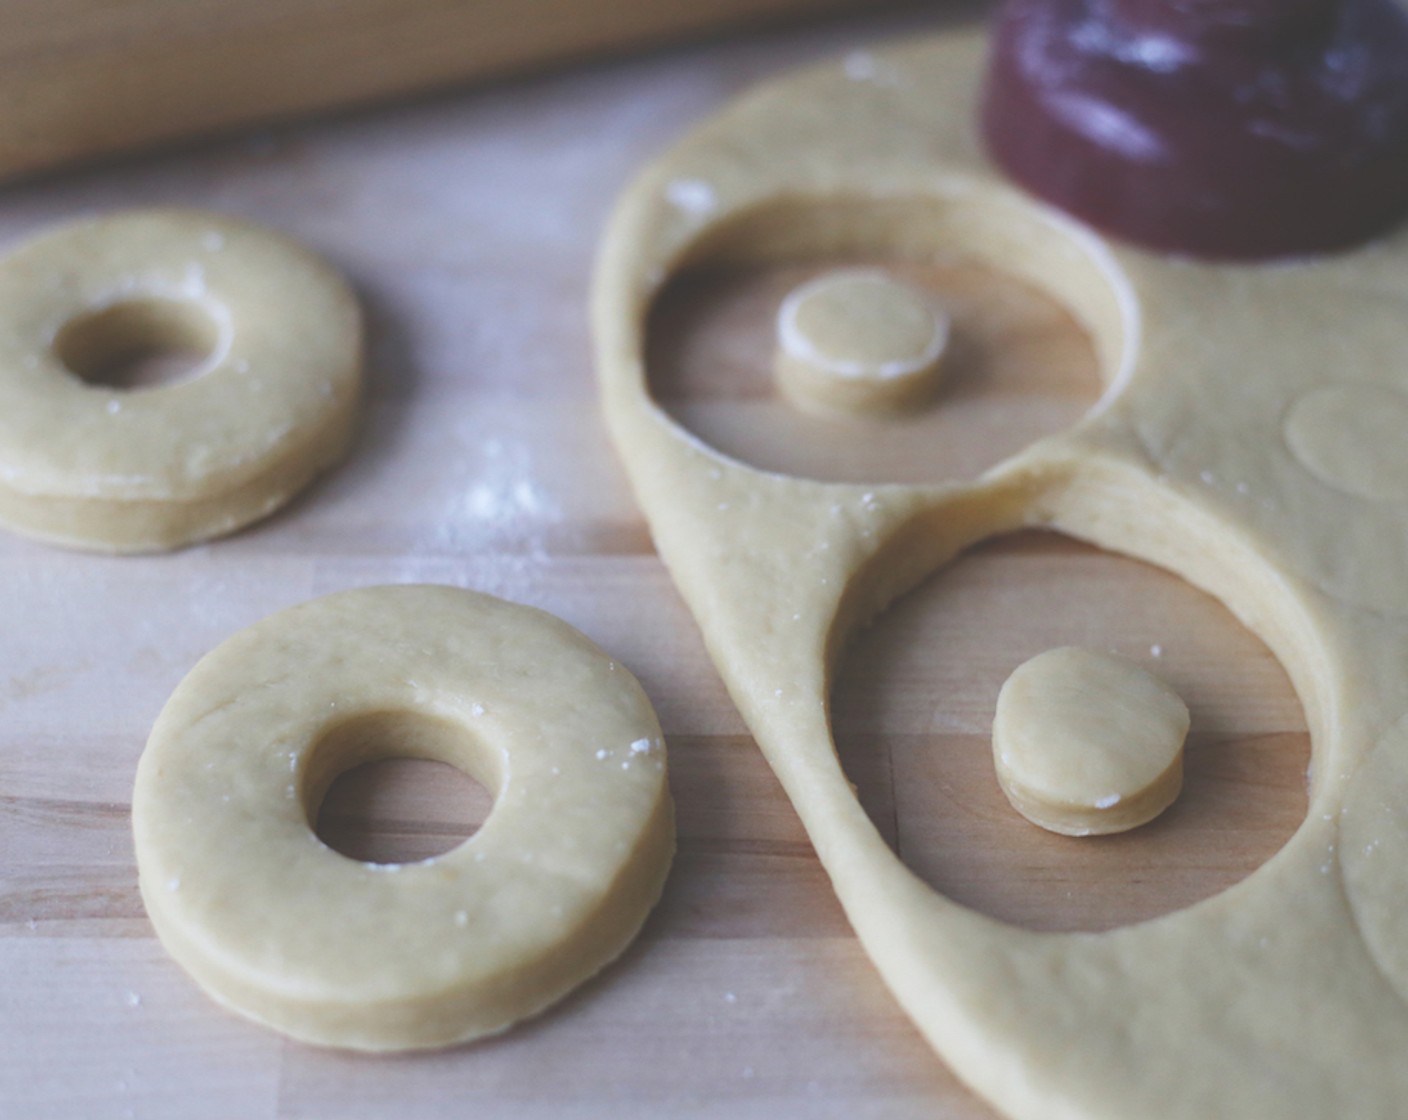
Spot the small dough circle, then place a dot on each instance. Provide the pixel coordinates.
(90, 466)
(1088, 743)
(859, 341)
(279, 927)
(1351, 437)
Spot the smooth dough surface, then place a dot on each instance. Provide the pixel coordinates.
(1086, 743)
(1238, 444)
(276, 925)
(274, 403)
(859, 341)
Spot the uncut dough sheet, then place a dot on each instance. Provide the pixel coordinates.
(1249, 440)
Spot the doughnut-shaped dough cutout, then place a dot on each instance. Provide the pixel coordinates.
(1087, 744)
(859, 341)
(276, 925)
(273, 404)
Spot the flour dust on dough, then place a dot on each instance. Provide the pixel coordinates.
(1238, 444)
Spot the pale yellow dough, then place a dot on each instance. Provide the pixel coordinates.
(1088, 743)
(274, 403)
(859, 341)
(279, 927)
(1239, 443)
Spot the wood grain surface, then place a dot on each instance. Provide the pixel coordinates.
(468, 225)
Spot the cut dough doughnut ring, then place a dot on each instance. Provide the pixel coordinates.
(281, 928)
(89, 466)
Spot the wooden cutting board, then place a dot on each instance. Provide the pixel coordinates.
(468, 225)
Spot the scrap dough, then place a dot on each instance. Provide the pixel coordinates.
(1234, 445)
(94, 467)
(1087, 743)
(859, 341)
(276, 925)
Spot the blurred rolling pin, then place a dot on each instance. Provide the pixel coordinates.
(81, 78)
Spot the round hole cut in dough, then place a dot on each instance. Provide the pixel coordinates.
(91, 466)
(276, 925)
(859, 341)
(1087, 743)
(1285, 995)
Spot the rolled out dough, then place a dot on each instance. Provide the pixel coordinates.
(1238, 444)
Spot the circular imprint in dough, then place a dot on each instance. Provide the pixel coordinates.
(1351, 437)
(87, 464)
(1087, 744)
(276, 925)
(859, 341)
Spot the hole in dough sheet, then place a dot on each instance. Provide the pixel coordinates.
(1018, 367)
(919, 687)
(401, 810)
(139, 344)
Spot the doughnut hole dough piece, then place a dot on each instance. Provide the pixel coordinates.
(276, 925)
(272, 405)
(859, 341)
(1087, 744)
